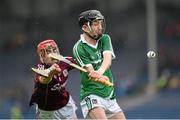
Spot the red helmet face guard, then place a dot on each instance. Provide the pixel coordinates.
(47, 44)
(46, 47)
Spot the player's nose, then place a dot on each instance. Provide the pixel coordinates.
(100, 26)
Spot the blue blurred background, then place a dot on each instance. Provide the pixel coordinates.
(24, 23)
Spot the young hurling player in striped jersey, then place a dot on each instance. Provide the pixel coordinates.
(50, 96)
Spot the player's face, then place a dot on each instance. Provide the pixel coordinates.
(97, 27)
(45, 54)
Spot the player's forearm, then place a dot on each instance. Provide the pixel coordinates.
(107, 58)
(92, 73)
(89, 68)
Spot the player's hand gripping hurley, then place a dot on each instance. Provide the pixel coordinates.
(104, 80)
(44, 73)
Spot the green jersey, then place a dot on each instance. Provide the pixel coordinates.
(86, 55)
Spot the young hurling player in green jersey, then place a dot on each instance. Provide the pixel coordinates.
(94, 52)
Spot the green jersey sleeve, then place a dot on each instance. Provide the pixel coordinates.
(107, 45)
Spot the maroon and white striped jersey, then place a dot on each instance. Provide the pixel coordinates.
(52, 96)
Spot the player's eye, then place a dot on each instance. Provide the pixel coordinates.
(48, 51)
(97, 22)
(55, 50)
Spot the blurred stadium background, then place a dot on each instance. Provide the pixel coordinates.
(24, 23)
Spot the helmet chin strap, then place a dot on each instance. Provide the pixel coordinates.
(94, 37)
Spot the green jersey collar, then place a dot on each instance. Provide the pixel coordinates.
(84, 41)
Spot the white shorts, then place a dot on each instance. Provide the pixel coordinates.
(66, 112)
(110, 106)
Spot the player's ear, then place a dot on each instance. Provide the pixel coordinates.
(85, 28)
